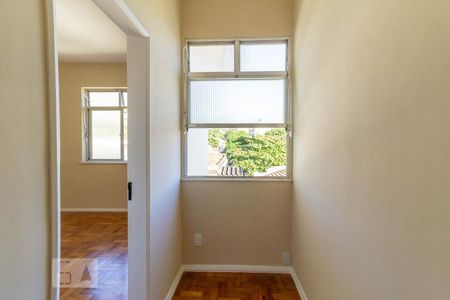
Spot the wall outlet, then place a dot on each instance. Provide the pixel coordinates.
(286, 258)
(198, 239)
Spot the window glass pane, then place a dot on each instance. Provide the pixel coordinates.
(104, 98)
(125, 134)
(125, 98)
(263, 57)
(237, 101)
(211, 58)
(105, 134)
(259, 152)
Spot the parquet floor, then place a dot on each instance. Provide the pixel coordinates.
(102, 236)
(236, 286)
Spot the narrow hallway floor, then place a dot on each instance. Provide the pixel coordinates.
(235, 286)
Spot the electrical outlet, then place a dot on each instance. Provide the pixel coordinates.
(198, 240)
(287, 258)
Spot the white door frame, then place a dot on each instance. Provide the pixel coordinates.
(138, 69)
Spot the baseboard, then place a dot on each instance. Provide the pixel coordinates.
(298, 285)
(174, 285)
(237, 268)
(94, 209)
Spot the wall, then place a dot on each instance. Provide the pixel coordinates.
(92, 186)
(24, 174)
(241, 223)
(236, 18)
(225, 212)
(371, 196)
(161, 18)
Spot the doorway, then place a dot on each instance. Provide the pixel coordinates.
(108, 229)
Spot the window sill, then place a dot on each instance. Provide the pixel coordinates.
(103, 162)
(239, 179)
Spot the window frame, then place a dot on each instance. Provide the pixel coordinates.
(87, 110)
(236, 75)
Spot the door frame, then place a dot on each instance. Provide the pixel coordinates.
(138, 53)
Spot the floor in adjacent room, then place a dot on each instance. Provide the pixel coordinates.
(102, 236)
(236, 286)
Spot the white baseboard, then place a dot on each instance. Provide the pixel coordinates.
(236, 268)
(298, 285)
(94, 209)
(174, 285)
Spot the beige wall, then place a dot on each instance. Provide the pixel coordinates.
(100, 186)
(241, 222)
(236, 18)
(24, 184)
(372, 166)
(161, 17)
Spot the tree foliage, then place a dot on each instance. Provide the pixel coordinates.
(214, 137)
(256, 153)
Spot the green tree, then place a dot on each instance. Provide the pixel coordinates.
(280, 132)
(214, 137)
(256, 153)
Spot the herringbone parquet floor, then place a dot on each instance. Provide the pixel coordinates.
(102, 236)
(236, 286)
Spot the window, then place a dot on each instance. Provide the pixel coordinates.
(237, 109)
(105, 124)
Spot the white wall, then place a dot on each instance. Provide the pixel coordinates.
(24, 183)
(161, 18)
(372, 158)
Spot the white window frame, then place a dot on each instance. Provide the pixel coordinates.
(236, 74)
(87, 110)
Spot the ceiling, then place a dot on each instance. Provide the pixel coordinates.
(87, 35)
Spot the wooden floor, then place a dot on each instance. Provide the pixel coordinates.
(102, 236)
(236, 286)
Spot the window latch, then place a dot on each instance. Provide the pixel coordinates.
(289, 131)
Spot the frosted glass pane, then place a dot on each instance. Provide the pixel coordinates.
(125, 98)
(237, 101)
(263, 57)
(104, 98)
(197, 149)
(226, 152)
(106, 135)
(211, 58)
(125, 134)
